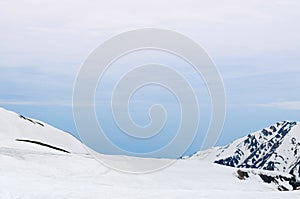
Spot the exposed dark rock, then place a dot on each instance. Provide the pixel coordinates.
(43, 144)
(39, 123)
(283, 183)
(25, 118)
(30, 120)
(242, 175)
(267, 179)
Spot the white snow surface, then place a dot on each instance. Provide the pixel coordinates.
(278, 146)
(32, 171)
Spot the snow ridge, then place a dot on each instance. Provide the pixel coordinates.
(276, 148)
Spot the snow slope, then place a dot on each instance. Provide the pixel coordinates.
(274, 148)
(29, 170)
(14, 126)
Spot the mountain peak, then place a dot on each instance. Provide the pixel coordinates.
(276, 148)
(18, 131)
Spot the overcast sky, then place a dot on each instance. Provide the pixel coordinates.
(254, 44)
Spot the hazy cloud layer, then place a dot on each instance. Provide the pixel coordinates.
(255, 45)
(288, 105)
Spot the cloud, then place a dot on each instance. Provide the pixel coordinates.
(287, 105)
(42, 51)
(34, 103)
(52, 103)
(243, 38)
(32, 35)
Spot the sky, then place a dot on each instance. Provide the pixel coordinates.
(254, 44)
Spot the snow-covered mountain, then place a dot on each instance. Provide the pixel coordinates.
(17, 131)
(276, 148)
(40, 161)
